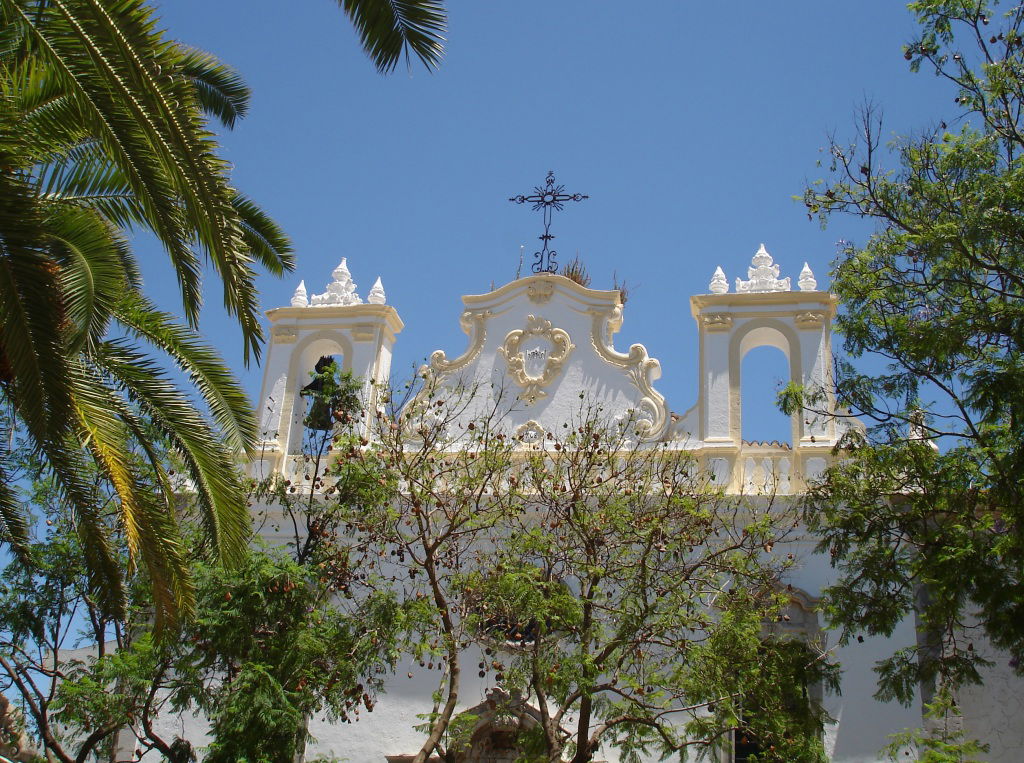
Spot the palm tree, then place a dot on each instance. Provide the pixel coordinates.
(104, 128)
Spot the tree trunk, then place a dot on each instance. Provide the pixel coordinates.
(14, 743)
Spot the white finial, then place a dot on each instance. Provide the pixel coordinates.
(806, 281)
(376, 295)
(719, 284)
(340, 291)
(761, 257)
(763, 275)
(299, 297)
(341, 273)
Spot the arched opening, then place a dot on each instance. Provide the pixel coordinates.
(764, 371)
(310, 424)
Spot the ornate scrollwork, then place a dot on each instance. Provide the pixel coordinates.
(516, 359)
(651, 416)
(540, 292)
(530, 434)
(810, 319)
(474, 323)
(717, 321)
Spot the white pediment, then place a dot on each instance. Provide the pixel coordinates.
(540, 354)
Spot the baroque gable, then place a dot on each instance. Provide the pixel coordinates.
(541, 353)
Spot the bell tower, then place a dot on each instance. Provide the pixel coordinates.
(763, 311)
(358, 335)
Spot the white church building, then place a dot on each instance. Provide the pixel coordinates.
(551, 340)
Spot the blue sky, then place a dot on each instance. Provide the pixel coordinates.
(690, 125)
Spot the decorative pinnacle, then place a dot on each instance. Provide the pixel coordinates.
(806, 282)
(299, 297)
(719, 284)
(341, 273)
(376, 295)
(761, 258)
(763, 275)
(340, 291)
(548, 198)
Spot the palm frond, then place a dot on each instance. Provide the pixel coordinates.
(67, 462)
(31, 311)
(390, 29)
(264, 238)
(85, 176)
(220, 90)
(211, 465)
(97, 94)
(120, 74)
(13, 523)
(150, 528)
(91, 253)
(227, 401)
(179, 133)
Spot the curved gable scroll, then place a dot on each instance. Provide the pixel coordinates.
(541, 353)
(474, 325)
(642, 370)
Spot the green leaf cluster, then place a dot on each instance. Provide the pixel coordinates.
(603, 584)
(270, 643)
(925, 515)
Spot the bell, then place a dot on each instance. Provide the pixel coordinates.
(319, 417)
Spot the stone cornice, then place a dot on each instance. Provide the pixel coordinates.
(328, 316)
(800, 300)
(539, 288)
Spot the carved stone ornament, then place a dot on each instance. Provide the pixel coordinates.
(284, 334)
(650, 415)
(530, 434)
(340, 291)
(807, 282)
(377, 295)
(717, 321)
(473, 323)
(535, 368)
(810, 319)
(719, 284)
(540, 292)
(763, 275)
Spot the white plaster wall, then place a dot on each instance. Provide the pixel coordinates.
(716, 390)
(861, 724)
(994, 711)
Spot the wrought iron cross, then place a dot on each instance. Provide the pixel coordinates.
(548, 197)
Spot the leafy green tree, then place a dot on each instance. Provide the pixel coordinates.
(49, 605)
(945, 743)
(600, 580)
(271, 642)
(271, 647)
(926, 515)
(632, 603)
